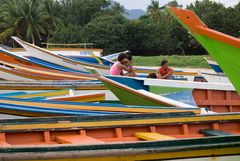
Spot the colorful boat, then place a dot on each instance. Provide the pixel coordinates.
(81, 54)
(37, 94)
(59, 95)
(217, 97)
(121, 137)
(224, 49)
(90, 97)
(19, 72)
(32, 62)
(131, 96)
(36, 107)
(51, 85)
(38, 52)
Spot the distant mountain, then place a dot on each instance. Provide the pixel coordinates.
(134, 14)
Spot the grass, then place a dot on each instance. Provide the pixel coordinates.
(174, 61)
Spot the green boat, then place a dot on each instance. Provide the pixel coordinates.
(131, 96)
(225, 49)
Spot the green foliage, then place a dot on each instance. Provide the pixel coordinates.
(80, 12)
(101, 23)
(68, 34)
(154, 11)
(107, 32)
(27, 19)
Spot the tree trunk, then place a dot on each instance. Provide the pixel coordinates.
(33, 40)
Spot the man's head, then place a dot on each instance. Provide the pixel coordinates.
(152, 75)
(122, 58)
(164, 64)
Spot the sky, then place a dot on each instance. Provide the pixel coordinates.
(142, 4)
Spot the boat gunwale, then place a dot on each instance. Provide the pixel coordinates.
(113, 122)
(120, 149)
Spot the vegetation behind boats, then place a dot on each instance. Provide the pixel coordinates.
(103, 24)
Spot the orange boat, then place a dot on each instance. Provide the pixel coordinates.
(19, 72)
(122, 137)
(16, 67)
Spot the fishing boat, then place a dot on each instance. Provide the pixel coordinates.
(217, 97)
(59, 95)
(38, 52)
(31, 62)
(81, 54)
(37, 107)
(35, 94)
(130, 96)
(90, 97)
(19, 72)
(51, 85)
(121, 137)
(223, 48)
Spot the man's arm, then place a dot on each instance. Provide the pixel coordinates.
(169, 74)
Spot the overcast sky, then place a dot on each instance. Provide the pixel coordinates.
(142, 4)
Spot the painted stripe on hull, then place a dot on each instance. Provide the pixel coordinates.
(95, 107)
(8, 76)
(63, 125)
(156, 156)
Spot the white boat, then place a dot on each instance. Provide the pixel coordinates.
(216, 78)
(6, 74)
(52, 57)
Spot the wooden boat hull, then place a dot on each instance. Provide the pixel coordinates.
(40, 94)
(6, 75)
(14, 58)
(217, 97)
(225, 49)
(38, 73)
(51, 85)
(92, 97)
(114, 138)
(130, 96)
(73, 108)
(56, 59)
(129, 153)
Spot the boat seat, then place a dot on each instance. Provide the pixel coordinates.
(152, 136)
(78, 139)
(208, 132)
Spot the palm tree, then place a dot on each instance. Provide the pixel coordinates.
(154, 10)
(117, 8)
(23, 18)
(53, 21)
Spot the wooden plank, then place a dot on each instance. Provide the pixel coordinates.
(3, 143)
(152, 136)
(208, 132)
(78, 139)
